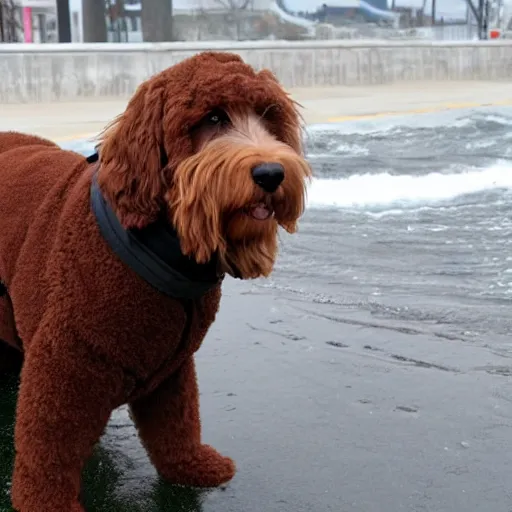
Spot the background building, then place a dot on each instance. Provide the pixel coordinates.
(28, 21)
(193, 20)
(198, 20)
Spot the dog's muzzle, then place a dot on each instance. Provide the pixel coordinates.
(268, 176)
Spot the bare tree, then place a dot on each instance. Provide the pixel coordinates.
(156, 17)
(94, 21)
(235, 11)
(10, 26)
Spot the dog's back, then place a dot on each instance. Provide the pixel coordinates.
(26, 173)
(13, 140)
(30, 167)
(32, 171)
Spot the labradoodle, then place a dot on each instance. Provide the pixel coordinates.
(111, 266)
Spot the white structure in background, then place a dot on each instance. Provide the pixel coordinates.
(507, 17)
(315, 5)
(38, 21)
(186, 8)
(312, 6)
(499, 21)
(501, 15)
(42, 15)
(449, 10)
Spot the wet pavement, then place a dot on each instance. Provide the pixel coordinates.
(323, 411)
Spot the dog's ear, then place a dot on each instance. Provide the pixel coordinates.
(132, 158)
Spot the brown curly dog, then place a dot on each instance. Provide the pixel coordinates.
(111, 266)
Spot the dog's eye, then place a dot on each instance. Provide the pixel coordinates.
(217, 117)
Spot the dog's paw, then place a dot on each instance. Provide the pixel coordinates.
(204, 467)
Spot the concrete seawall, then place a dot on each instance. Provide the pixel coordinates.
(51, 73)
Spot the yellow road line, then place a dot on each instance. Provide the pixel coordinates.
(357, 117)
(425, 110)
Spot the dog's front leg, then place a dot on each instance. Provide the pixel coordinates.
(170, 429)
(65, 400)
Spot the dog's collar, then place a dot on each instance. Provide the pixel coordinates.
(154, 252)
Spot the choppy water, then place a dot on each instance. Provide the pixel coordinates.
(409, 220)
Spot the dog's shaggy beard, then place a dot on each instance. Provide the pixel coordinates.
(213, 197)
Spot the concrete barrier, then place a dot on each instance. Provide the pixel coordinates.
(31, 73)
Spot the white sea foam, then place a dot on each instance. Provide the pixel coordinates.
(377, 190)
(507, 121)
(341, 149)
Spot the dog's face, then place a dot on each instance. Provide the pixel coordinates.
(230, 196)
(218, 147)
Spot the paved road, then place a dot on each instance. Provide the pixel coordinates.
(68, 121)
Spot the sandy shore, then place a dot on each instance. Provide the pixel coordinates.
(68, 121)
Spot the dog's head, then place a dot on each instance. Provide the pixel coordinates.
(217, 146)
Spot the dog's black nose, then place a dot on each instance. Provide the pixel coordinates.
(268, 176)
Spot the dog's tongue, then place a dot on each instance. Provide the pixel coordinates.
(260, 212)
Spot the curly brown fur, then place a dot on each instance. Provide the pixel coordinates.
(166, 123)
(94, 335)
(212, 193)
